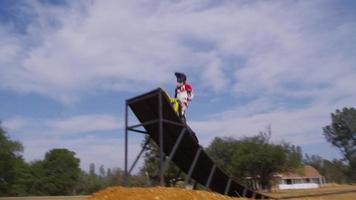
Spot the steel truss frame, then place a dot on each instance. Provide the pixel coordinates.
(164, 163)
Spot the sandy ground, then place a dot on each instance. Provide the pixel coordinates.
(46, 197)
(157, 193)
(162, 193)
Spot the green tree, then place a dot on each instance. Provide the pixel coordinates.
(61, 171)
(333, 171)
(89, 183)
(102, 171)
(92, 169)
(108, 172)
(150, 169)
(221, 151)
(254, 157)
(10, 161)
(342, 134)
(23, 179)
(115, 176)
(37, 178)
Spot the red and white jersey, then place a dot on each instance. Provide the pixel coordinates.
(184, 92)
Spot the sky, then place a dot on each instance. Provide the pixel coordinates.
(66, 68)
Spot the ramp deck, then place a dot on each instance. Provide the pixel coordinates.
(189, 156)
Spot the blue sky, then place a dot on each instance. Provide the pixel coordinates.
(66, 68)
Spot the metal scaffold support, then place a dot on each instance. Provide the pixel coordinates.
(163, 164)
(177, 143)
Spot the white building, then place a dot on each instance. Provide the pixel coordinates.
(304, 178)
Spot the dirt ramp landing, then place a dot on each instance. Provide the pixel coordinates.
(157, 193)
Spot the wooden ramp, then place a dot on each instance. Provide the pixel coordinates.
(180, 145)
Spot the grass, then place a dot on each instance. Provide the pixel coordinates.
(347, 196)
(327, 189)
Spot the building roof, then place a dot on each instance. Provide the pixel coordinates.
(305, 171)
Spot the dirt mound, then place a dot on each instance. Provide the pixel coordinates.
(156, 193)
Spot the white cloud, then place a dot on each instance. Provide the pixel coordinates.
(70, 125)
(85, 123)
(15, 123)
(9, 47)
(270, 52)
(299, 126)
(125, 45)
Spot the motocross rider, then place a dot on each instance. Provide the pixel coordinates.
(184, 93)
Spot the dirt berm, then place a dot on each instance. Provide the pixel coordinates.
(156, 193)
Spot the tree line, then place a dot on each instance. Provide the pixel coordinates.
(257, 156)
(59, 172)
(247, 157)
(56, 174)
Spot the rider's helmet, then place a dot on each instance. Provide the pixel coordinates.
(181, 78)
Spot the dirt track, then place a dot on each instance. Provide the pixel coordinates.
(157, 193)
(46, 197)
